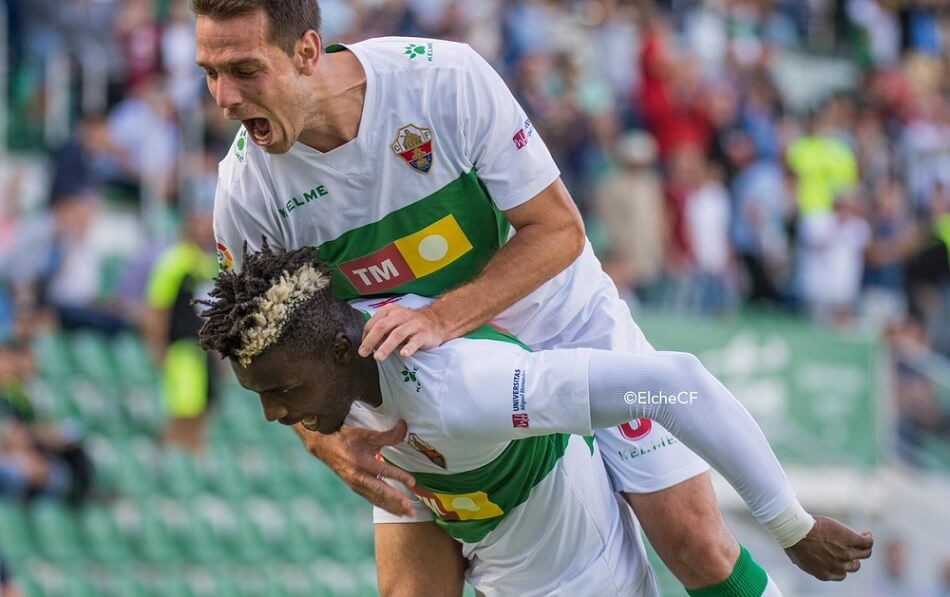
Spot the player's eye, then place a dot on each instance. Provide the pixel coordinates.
(210, 74)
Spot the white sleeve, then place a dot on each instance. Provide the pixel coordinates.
(511, 159)
(675, 390)
(493, 392)
(234, 225)
(503, 393)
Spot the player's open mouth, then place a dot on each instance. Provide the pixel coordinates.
(259, 128)
(310, 423)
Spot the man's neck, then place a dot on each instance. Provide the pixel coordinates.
(339, 95)
(372, 393)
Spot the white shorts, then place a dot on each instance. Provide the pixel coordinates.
(572, 538)
(641, 456)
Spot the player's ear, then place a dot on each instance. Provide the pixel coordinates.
(342, 349)
(307, 52)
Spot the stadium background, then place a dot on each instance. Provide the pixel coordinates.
(809, 271)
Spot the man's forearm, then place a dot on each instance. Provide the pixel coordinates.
(675, 390)
(533, 256)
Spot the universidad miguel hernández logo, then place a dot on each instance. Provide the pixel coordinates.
(414, 145)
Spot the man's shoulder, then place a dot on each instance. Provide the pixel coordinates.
(409, 54)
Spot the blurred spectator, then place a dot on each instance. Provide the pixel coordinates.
(831, 249)
(928, 272)
(51, 265)
(893, 238)
(761, 208)
(707, 224)
(90, 159)
(630, 203)
(37, 459)
(142, 125)
(942, 588)
(183, 273)
(894, 579)
(178, 57)
(670, 93)
(138, 35)
(823, 164)
(7, 586)
(919, 414)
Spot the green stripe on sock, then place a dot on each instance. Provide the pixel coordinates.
(748, 579)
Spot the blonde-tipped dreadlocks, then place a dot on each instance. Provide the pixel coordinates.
(252, 308)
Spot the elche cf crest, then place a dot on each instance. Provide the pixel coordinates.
(414, 145)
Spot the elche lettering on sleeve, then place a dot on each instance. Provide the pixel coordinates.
(408, 258)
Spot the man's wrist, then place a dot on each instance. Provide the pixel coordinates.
(791, 526)
(440, 316)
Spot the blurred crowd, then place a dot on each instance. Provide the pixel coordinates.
(727, 156)
(793, 156)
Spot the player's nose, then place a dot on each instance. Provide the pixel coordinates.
(227, 95)
(273, 412)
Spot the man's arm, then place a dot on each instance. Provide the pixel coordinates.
(576, 390)
(550, 236)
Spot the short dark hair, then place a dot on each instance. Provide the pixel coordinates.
(288, 19)
(236, 306)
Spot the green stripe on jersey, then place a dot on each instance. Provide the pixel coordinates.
(425, 248)
(496, 488)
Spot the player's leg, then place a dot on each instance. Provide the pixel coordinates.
(185, 390)
(687, 531)
(418, 558)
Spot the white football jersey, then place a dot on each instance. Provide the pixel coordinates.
(414, 203)
(487, 446)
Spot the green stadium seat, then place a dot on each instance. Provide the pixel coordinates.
(122, 581)
(266, 472)
(29, 586)
(139, 464)
(92, 357)
(101, 536)
(178, 475)
(146, 532)
(52, 356)
(172, 584)
(221, 474)
(16, 537)
(97, 404)
(133, 363)
(56, 532)
(142, 403)
(225, 532)
(52, 400)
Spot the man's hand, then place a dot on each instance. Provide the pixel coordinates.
(394, 325)
(831, 550)
(351, 453)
